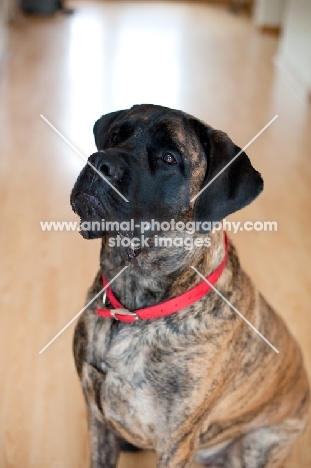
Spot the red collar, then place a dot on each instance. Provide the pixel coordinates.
(163, 308)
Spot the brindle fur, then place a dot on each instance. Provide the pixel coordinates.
(199, 384)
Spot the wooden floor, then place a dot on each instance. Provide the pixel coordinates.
(110, 55)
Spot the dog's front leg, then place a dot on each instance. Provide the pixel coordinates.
(178, 452)
(105, 445)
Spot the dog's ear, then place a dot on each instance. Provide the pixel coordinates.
(102, 125)
(230, 188)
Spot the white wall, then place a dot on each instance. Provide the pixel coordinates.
(269, 12)
(294, 55)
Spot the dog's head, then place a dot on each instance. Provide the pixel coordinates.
(159, 159)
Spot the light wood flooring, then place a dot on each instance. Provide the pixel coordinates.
(107, 56)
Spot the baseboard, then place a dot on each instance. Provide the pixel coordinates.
(299, 85)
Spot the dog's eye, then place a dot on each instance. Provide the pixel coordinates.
(114, 138)
(168, 158)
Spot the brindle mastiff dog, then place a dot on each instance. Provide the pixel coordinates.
(200, 383)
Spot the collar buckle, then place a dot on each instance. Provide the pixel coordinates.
(120, 311)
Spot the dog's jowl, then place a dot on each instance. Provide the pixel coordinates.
(165, 363)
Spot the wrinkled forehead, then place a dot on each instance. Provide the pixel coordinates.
(161, 126)
(175, 132)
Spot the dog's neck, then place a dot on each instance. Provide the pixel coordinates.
(157, 274)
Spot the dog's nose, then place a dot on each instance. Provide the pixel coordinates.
(109, 165)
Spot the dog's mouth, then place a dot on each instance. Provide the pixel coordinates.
(90, 210)
(88, 207)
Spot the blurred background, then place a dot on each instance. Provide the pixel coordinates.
(234, 64)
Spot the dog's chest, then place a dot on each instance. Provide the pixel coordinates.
(135, 382)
